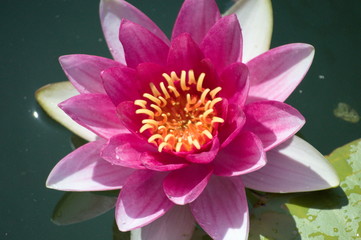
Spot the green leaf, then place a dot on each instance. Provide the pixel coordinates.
(329, 214)
(76, 207)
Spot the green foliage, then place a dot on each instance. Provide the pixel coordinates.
(322, 215)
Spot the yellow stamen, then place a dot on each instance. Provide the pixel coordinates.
(145, 111)
(140, 103)
(206, 113)
(154, 90)
(174, 77)
(180, 112)
(200, 82)
(154, 137)
(163, 101)
(145, 127)
(178, 146)
(174, 90)
(150, 121)
(196, 144)
(208, 134)
(162, 145)
(168, 79)
(214, 92)
(217, 120)
(204, 94)
(168, 137)
(214, 101)
(152, 98)
(164, 90)
(158, 109)
(191, 77)
(183, 81)
(207, 105)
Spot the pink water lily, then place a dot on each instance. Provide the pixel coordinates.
(183, 126)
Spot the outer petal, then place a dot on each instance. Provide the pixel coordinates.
(196, 17)
(222, 210)
(223, 42)
(111, 14)
(141, 45)
(177, 224)
(85, 170)
(84, 71)
(130, 151)
(256, 20)
(273, 122)
(275, 74)
(243, 155)
(141, 200)
(121, 84)
(95, 112)
(294, 166)
(184, 53)
(185, 185)
(50, 96)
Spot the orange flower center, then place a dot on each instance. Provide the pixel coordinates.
(181, 114)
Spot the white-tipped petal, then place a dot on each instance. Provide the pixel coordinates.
(50, 96)
(293, 166)
(256, 19)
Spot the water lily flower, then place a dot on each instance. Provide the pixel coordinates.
(184, 125)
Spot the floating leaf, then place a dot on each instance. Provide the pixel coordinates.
(329, 214)
(76, 207)
(50, 96)
(345, 112)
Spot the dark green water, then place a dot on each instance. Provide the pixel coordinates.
(35, 33)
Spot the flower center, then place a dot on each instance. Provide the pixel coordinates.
(181, 114)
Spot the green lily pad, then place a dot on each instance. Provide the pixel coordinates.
(329, 214)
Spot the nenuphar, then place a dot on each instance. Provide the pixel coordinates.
(184, 125)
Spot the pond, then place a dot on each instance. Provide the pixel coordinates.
(36, 33)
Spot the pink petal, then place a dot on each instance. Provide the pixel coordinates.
(273, 122)
(185, 185)
(150, 72)
(125, 150)
(84, 71)
(141, 201)
(235, 121)
(196, 17)
(121, 84)
(222, 44)
(129, 119)
(243, 155)
(85, 170)
(177, 224)
(184, 53)
(235, 83)
(275, 74)
(129, 150)
(95, 112)
(141, 45)
(293, 166)
(222, 209)
(111, 14)
(205, 156)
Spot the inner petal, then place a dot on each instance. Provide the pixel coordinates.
(180, 114)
